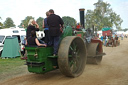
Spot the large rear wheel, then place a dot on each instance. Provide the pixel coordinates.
(72, 56)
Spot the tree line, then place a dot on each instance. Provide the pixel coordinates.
(101, 17)
(69, 21)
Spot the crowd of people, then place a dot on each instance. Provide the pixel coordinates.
(111, 38)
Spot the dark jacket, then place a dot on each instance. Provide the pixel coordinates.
(29, 29)
(31, 41)
(54, 22)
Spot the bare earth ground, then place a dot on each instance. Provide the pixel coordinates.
(113, 70)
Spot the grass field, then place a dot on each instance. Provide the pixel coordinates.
(12, 67)
(10, 64)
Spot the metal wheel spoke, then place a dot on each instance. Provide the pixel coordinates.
(74, 46)
(74, 67)
(77, 61)
(71, 63)
(77, 55)
(70, 56)
(71, 48)
(77, 52)
(77, 58)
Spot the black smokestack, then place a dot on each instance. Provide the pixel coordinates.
(82, 17)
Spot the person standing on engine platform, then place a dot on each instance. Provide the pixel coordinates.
(54, 23)
(46, 29)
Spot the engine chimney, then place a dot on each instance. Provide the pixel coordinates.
(82, 17)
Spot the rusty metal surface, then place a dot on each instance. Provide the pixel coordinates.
(93, 56)
(91, 49)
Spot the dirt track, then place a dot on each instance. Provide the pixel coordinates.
(113, 70)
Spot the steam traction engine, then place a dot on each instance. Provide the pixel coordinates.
(75, 50)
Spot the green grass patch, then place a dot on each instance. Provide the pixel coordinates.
(10, 64)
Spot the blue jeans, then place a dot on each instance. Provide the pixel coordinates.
(121, 38)
(105, 42)
(55, 42)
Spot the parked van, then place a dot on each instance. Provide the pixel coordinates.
(20, 33)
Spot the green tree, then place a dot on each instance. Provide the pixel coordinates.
(40, 23)
(25, 21)
(1, 25)
(126, 29)
(89, 18)
(102, 16)
(8, 23)
(69, 21)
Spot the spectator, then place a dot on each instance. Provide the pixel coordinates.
(116, 38)
(122, 36)
(24, 43)
(105, 39)
(101, 38)
(54, 23)
(23, 26)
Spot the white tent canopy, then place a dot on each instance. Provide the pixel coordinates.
(121, 32)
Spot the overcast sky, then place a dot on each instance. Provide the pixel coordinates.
(19, 9)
